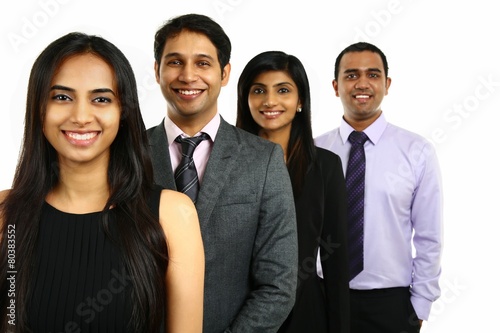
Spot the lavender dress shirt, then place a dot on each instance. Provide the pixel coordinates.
(403, 207)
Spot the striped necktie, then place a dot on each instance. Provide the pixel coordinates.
(355, 185)
(186, 176)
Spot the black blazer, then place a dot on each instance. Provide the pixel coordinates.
(322, 305)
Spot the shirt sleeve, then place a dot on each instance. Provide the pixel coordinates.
(427, 220)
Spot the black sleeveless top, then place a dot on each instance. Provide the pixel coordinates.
(80, 282)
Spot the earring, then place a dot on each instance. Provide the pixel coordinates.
(299, 110)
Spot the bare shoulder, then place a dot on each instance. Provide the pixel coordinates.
(3, 195)
(178, 207)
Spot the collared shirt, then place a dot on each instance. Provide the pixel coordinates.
(403, 195)
(201, 153)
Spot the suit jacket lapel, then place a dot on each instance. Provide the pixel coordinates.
(222, 160)
(220, 163)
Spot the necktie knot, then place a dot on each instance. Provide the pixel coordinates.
(358, 137)
(188, 144)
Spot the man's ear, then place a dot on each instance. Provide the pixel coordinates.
(335, 87)
(387, 85)
(157, 72)
(225, 74)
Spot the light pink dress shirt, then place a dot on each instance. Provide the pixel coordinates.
(201, 153)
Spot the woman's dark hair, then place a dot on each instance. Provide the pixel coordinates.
(130, 179)
(300, 150)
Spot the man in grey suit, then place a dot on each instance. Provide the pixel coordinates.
(245, 202)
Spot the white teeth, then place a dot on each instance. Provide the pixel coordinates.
(362, 96)
(189, 92)
(82, 137)
(272, 113)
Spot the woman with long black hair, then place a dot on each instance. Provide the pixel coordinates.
(97, 247)
(274, 102)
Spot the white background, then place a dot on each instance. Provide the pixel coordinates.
(444, 63)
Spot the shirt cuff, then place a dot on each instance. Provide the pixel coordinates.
(422, 307)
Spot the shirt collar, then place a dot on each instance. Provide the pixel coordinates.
(174, 131)
(374, 131)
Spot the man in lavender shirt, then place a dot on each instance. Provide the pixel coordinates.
(402, 204)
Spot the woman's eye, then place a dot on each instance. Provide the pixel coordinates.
(61, 97)
(102, 100)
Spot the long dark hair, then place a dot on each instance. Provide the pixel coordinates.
(130, 179)
(300, 150)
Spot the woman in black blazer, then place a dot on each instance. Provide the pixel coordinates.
(274, 103)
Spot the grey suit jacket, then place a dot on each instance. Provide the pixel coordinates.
(247, 218)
